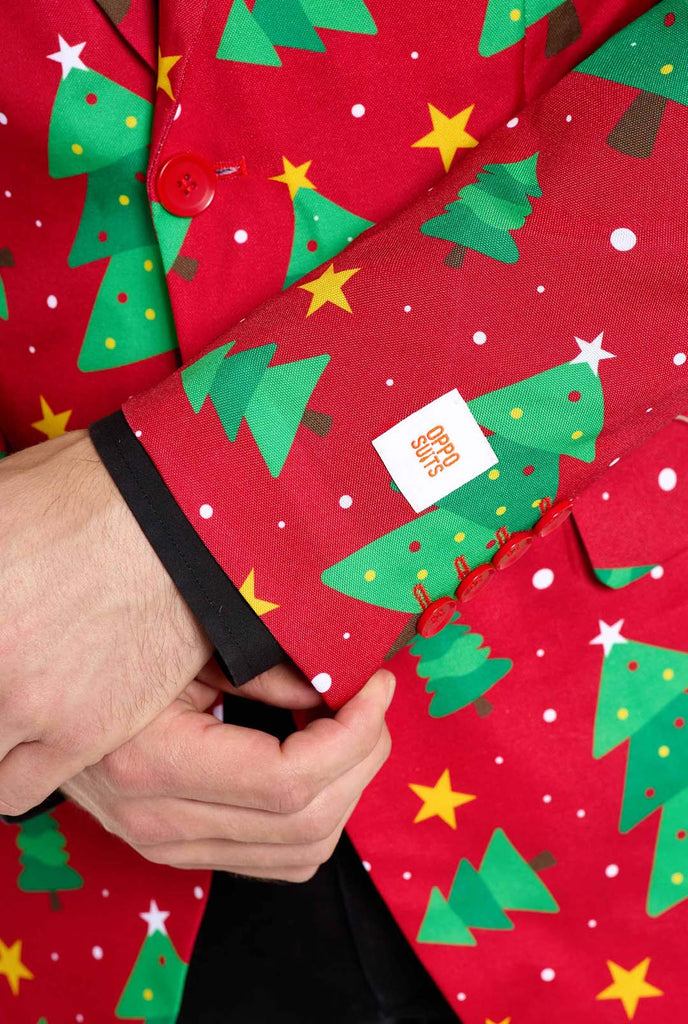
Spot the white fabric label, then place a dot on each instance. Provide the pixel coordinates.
(435, 450)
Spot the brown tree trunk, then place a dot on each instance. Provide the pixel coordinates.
(563, 28)
(116, 10)
(454, 258)
(405, 637)
(483, 707)
(541, 861)
(318, 422)
(55, 901)
(186, 267)
(6, 258)
(636, 130)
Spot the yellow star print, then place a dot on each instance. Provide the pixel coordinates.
(11, 965)
(439, 800)
(507, 1020)
(448, 134)
(328, 288)
(629, 986)
(248, 592)
(53, 423)
(165, 65)
(294, 177)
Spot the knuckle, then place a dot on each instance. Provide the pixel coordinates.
(315, 824)
(138, 827)
(293, 794)
(123, 771)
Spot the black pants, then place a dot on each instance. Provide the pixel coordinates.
(326, 950)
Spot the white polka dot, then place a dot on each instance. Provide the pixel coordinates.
(198, 892)
(54, 956)
(138, 433)
(322, 681)
(592, 923)
(605, 495)
(667, 479)
(105, 893)
(97, 952)
(499, 759)
(38, 223)
(461, 996)
(547, 974)
(32, 349)
(541, 288)
(205, 511)
(316, 216)
(406, 875)
(569, 119)
(240, 236)
(79, 1018)
(656, 572)
(679, 358)
(8, 194)
(543, 578)
(480, 337)
(540, 652)
(414, 55)
(389, 382)
(349, 238)
(366, 864)
(407, 309)
(3, 118)
(580, 813)
(346, 636)
(549, 715)
(358, 110)
(346, 501)
(611, 870)
(281, 524)
(51, 301)
(614, 461)
(177, 111)
(512, 123)
(623, 239)
(547, 798)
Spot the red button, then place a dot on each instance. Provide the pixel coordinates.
(186, 184)
(473, 582)
(552, 519)
(513, 549)
(436, 616)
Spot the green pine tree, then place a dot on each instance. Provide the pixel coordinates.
(271, 399)
(44, 859)
(102, 130)
(6, 260)
(643, 699)
(487, 210)
(458, 668)
(649, 55)
(171, 231)
(479, 899)
(251, 36)
(153, 991)
(506, 22)
(621, 577)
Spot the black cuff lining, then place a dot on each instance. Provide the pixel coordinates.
(51, 801)
(245, 647)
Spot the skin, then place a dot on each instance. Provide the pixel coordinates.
(106, 682)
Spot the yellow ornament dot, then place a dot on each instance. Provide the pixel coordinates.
(110, 343)
(666, 69)
(422, 574)
(458, 537)
(668, 674)
(149, 314)
(622, 714)
(369, 575)
(515, 14)
(124, 200)
(677, 878)
(663, 751)
(536, 503)
(76, 148)
(576, 434)
(501, 510)
(148, 264)
(493, 474)
(516, 413)
(147, 994)
(130, 121)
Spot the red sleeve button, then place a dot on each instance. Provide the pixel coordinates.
(513, 548)
(436, 616)
(186, 184)
(474, 581)
(553, 518)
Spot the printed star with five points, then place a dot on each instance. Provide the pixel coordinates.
(448, 134)
(328, 288)
(440, 800)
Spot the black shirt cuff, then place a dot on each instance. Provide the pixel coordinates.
(245, 647)
(50, 801)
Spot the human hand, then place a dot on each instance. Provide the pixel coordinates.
(95, 639)
(192, 792)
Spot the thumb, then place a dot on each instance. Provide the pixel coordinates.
(371, 701)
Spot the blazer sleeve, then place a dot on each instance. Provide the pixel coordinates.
(542, 280)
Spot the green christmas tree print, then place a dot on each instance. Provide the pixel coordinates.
(458, 669)
(153, 991)
(102, 130)
(643, 698)
(44, 859)
(621, 577)
(479, 899)
(487, 210)
(648, 55)
(271, 399)
(250, 36)
(532, 423)
(6, 260)
(171, 231)
(506, 22)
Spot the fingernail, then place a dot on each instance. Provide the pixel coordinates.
(392, 687)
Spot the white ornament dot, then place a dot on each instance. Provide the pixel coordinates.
(547, 798)
(611, 870)
(346, 501)
(366, 864)
(414, 55)
(240, 236)
(543, 578)
(623, 239)
(406, 875)
(540, 653)
(32, 349)
(592, 923)
(105, 893)
(322, 681)
(679, 358)
(461, 996)
(580, 813)
(499, 759)
(480, 337)
(667, 479)
(389, 382)
(605, 495)
(198, 892)
(346, 636)
(3, 118)
(137, 433)
(547, 974)
(55, 956)
(407, 309)
(51, 302)
(177, 111)
(8, 194)
(38, 223)
(656, 572)
(540, 288)
(281, 524)
(358, 110)
(569, 119)
(549, 715)
(97, 952)
(205, 511)
(512, 123)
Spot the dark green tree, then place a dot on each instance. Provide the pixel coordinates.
(506, 22)
(44, 859)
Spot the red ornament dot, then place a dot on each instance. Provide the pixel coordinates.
(162, 961)
(669, 19)
(140, 176)
(122, 297)
(681, 834)
(91, 98)
(414, 545)
(312, 245)
(649, 793)
(490, 543)
(102, 236)
(679, 722)
(632, 666)
(527, 470)
(574, 396)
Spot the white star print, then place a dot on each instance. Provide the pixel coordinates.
(609, 635)
(591, 352)
(68, 56)
(156, 918)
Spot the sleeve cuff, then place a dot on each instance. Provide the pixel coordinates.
(244, 645)
(51, 801)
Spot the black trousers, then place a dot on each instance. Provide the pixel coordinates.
(326, 950)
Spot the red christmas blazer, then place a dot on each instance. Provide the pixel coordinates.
(382, 295)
